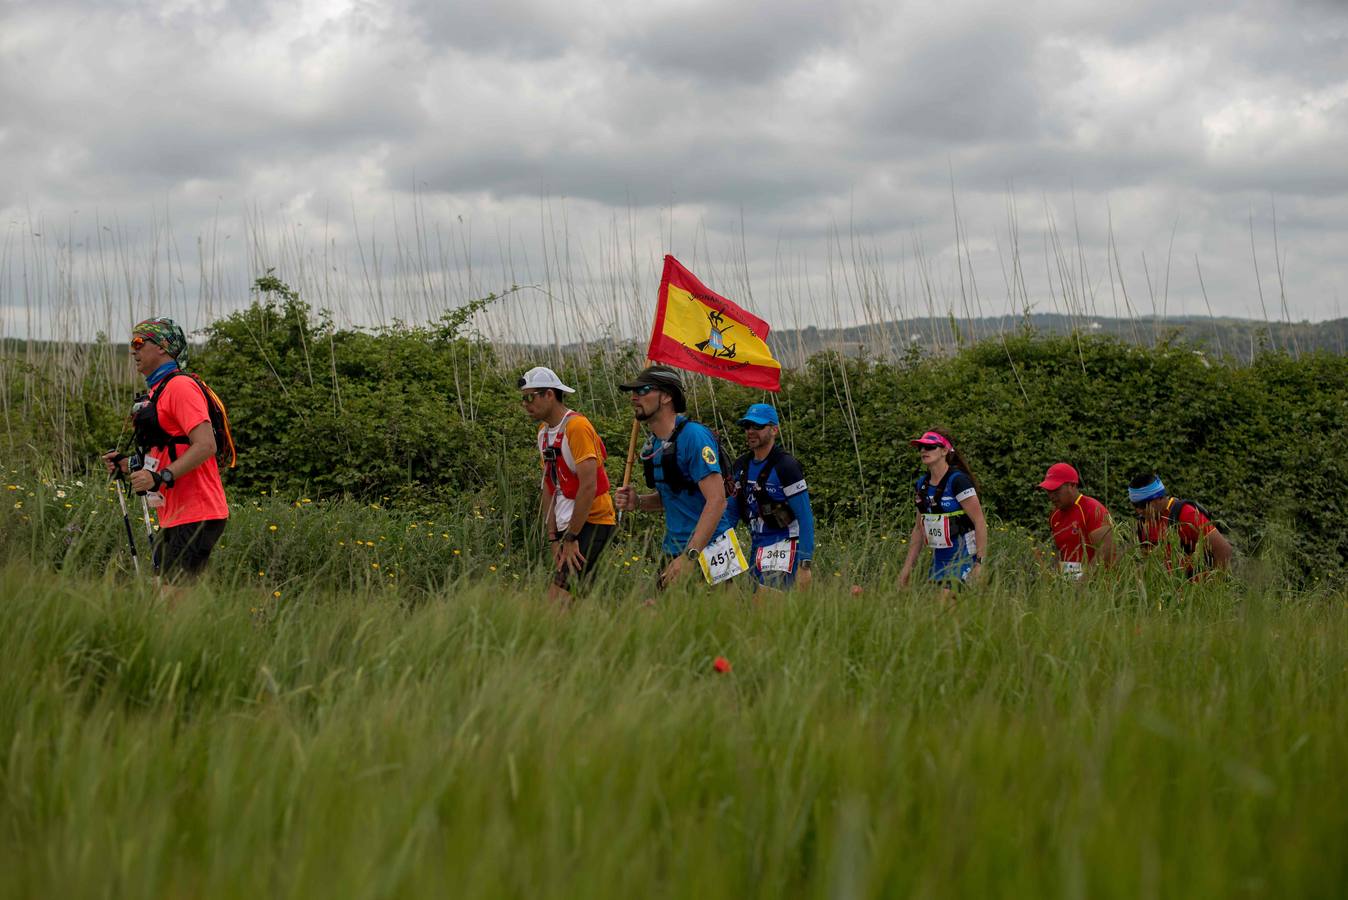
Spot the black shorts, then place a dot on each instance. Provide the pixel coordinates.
(181, 552)
(592, 540)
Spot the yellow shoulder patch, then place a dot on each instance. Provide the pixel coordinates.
(709, 456)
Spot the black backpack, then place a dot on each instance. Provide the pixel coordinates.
(1172, 516)
(151, 435)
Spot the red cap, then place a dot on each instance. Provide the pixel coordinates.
(1058, 475)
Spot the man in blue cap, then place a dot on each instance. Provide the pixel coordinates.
(773, 498)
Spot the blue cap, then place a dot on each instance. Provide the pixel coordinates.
(760, 414)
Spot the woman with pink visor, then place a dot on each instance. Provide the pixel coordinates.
(949, 516)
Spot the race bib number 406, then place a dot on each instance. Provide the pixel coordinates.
(722, 559)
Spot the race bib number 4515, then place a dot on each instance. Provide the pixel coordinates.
(723, 559)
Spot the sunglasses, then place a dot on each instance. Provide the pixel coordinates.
(642, 391)
(137, 342)
(923, 448)
(754, 426)
(530, 396)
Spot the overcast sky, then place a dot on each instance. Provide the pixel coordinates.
(797, 155)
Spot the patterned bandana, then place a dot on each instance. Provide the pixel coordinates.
(167, 333)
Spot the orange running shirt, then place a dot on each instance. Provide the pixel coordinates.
(198, 495)
(574, 440)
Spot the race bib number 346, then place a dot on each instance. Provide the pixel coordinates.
(779, 557)
(722, 559)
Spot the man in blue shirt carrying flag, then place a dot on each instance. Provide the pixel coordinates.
(683, 465)
(771, 495)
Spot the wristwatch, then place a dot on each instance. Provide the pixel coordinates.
(570, 537)
(692, 553)
(166, 478)
(806, 563)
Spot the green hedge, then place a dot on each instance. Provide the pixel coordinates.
(423, 415)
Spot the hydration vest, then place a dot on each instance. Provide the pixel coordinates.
(776, 514)
(673, 477)
(558, 475)
(960, 524)
(1173, 509)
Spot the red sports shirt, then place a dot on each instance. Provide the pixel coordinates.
(1073, 526)
(1192, 526)
(197, 496)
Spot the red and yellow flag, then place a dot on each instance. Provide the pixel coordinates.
(701, 331)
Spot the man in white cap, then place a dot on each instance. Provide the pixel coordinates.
(578, 512)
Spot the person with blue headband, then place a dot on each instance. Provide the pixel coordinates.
(1193, 529)
(771, 495)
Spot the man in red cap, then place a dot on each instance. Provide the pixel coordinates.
(1081, 526)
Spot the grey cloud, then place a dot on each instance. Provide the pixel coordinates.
(814, 121)
(954, 86)
(715, 42)
(513, 28)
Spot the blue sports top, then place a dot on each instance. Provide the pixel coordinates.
(696, 458)
(785, 483)
(958, 486)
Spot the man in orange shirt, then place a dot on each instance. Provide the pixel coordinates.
(1081, 526)
(177, 470)
(578, 512)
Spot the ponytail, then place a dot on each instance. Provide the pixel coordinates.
(955, 459)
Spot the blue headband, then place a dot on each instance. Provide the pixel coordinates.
(1150, 492)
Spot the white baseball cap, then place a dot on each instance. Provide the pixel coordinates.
(542, 377)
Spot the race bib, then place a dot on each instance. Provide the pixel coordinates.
(937, 529)
(722, 559)
(778, 557)
(1072, 570)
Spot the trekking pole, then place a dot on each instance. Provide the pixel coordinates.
(122, 487)
(138, 462)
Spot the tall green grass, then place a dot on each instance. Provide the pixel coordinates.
(304, 723)
(1031, 743)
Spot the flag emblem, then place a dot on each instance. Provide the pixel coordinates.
(701, 331)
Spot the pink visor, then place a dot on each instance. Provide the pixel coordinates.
(931, 437)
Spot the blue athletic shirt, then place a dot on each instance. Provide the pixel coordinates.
(697, 459)
(951, 563)
(786, 482)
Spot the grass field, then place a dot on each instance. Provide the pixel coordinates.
(451, 735)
